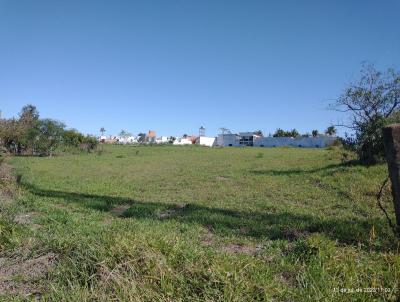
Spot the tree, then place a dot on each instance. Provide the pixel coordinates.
(171, 139)
(224, 130)
(282, 133)
(331, 131)
(314, 133)
(279, 133)
(50, 133)
(293, 133)
(10, 135)
(258, 132)
(371, 102)
(124, 133)
(72, 138)
(29, 114)
(141, 137)
(102, 131)
(28, 127)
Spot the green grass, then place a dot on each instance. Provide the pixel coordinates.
(202, 224)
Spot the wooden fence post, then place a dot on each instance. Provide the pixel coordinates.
(391, 137)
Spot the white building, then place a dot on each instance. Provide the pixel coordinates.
(304, 142)
(183, 141)
(162, 140)
(206, 141)
(251, 139)
(228, 139)
(126, 139)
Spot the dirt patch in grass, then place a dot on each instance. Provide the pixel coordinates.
(19, 276)
(222, 178)
(294, 234)
(25, 218)
(120, 209)
(210, 239)
(107, 221)
(170, 212)
(7, 184)
(287, 278)
(5, 173)
(240, 248)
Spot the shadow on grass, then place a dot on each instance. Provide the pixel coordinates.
(328, 169)
(272, 225)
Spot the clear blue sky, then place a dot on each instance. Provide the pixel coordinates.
(173, 66)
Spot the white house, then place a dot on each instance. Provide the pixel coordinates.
(183, 141)
(206, 141)
(126, 139)
(162, 140)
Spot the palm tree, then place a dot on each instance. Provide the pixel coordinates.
(314, 133)
(102, 130)
(331, 130)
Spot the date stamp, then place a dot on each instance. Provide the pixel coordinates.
(344, 290)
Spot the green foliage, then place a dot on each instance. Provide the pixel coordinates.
(141, 137)
(258, 132)
(171, 139)
(314, 133)
(47, 136)
(331, 131)
(73, 138)
(282, 133)
(373, 102)
(31, 135)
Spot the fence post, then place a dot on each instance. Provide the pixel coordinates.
(391, 138)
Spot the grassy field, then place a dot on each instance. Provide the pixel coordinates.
(198, 224)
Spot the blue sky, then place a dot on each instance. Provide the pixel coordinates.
(173, 66)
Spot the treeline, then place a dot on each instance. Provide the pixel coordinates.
(331, 131)
(30, 135)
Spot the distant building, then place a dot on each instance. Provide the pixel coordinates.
(126, 139)
(228, 139)
(251, 139)
(162, 140)
(206, 141)
(242, 139)
(321, 141)
(151, 136)
(247, 138)
(108, 139)
(183, 141)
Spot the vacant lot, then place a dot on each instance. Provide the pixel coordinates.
(197, 224)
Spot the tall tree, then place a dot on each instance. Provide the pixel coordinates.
(315, 133)
(293, 133)
(102, 131)
(279, 133)
(28, 127)
(371, 102)
(331, 130)
(29, 114)
(141, 137)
